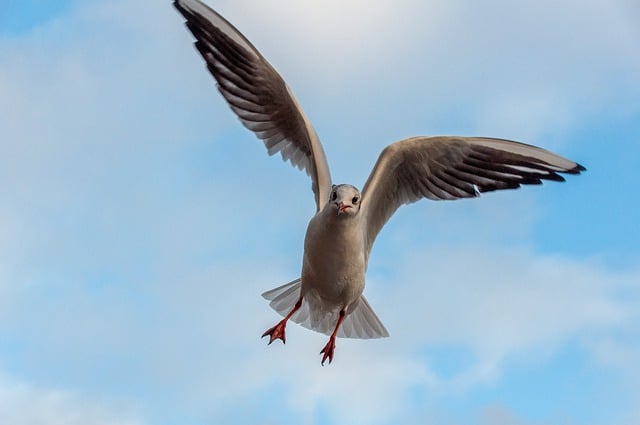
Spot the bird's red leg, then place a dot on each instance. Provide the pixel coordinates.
(327, 351)
(277, 332)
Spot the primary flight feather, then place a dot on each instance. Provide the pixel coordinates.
(328, 296)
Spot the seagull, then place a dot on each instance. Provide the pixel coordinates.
(327, 297)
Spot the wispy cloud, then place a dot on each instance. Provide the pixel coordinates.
(23, 404)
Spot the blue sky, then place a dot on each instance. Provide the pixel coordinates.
(140, 221)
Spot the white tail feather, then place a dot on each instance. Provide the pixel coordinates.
(361, 322)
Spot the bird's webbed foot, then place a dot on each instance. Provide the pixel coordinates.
(328, 350)
(276, 332)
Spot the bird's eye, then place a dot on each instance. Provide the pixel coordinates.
(334, 196)
(354, 200)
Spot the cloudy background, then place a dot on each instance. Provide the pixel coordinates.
(139, 221)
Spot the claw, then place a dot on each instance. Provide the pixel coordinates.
(328, 350)
(276, 332)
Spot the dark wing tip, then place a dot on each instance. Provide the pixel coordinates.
(177, 5)
(577, 169)
(188, 14)
(554, 177)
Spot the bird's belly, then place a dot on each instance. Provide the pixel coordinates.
(342, 284)
(334, 268)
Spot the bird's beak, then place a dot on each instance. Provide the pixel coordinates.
(341, 207)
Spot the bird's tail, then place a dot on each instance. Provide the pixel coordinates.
(361, 322)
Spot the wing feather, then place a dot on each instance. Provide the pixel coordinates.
(257, 94)
(448, 168)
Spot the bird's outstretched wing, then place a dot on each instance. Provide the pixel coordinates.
(257, 94)
(448, 167)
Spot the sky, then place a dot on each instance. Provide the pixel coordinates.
(140, 222)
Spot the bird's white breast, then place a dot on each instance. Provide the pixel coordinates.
(334, 262)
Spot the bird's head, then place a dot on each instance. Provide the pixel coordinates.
(345, 200)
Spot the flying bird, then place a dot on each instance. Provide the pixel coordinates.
(327, 297)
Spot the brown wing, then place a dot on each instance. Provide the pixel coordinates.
(448, 167)
(257, 94)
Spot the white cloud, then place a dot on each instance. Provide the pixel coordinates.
(532, 71)
(23, 404)
(502, 303)
(500, 415)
